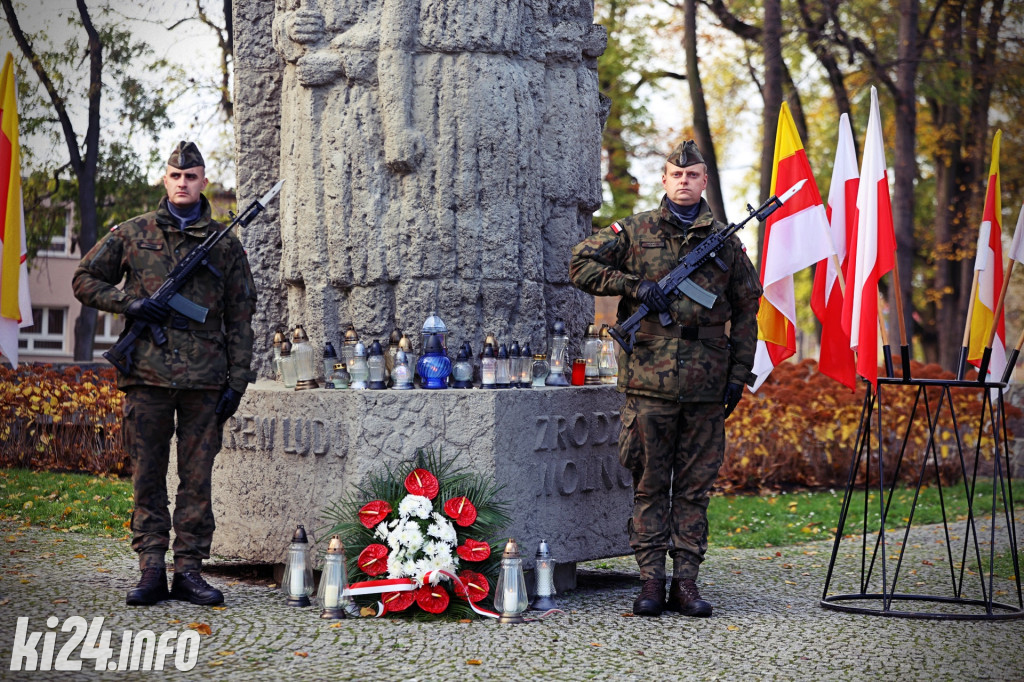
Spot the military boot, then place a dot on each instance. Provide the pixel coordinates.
(151, 588)
(651, 601)
(190, 586)
(684, 598)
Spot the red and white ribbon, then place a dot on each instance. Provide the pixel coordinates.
(407, 585)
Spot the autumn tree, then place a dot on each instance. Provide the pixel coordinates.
(93, 77)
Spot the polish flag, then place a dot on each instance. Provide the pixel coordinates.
(836, 360)
(15, 306)
(796, 237)
(872, 249)
(989, 265)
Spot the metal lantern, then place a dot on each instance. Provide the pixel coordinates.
(609, 366)
(544, 571)
(348, 345)
(502, 374)
(592, 355)
(375, 367)
(332, 593)
(540, 370)
(287, 366)
(405, 344)
(278, 340)
(358, 369)
(339, 376)
(304, 365)
(488, 365)
(526, 367)
(514, 360)
(434, 366)
(462, 371)
(558, 358)
(330, 359)
(297, 582)
(436, 326)
(391, 351)
(510, 598)
(401, 375)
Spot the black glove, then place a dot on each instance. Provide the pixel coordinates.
(651, 295)
(148, 310)
(733, 393)
(227, 405)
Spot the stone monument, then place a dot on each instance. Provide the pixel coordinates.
(438, 156)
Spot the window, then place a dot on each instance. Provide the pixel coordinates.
(108, 328)
(46, 335)
(60, 245)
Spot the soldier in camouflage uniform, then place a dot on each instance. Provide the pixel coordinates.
(682, 381)
(196, 378)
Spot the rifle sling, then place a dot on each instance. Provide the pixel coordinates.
(674, 331)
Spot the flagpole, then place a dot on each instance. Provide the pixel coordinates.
(886, 350)
(1011, 362)
(904, 347)
(987, 356)
(961, 366)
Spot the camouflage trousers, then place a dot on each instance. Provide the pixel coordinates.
(151, 417)
(674, 451)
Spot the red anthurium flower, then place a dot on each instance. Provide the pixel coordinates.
(373, 560)
(474, 550)
(422, 482)
(461, 509)
(397, 601)
(373, 513)
(432, 598)
(475, 584)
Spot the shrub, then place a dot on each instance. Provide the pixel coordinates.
(801, 427)
(62, 419)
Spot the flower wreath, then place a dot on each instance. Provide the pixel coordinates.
(422, 522)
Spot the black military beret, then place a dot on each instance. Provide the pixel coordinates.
(186, 155)
(685, 154)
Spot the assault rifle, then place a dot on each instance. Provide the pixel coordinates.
(120, 354)
(678, 282)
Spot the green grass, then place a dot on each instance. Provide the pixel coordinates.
(83, 503)
(746, 521)
(102, 506)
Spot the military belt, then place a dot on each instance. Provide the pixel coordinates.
(674, 331)
(212, 324)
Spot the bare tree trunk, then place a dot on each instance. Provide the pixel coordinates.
(905, 164)
(771, 43)
(701, 127)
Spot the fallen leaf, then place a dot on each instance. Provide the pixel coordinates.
(733, 627)
(790, 582)
(304, 654)
(218, 608)
(473, 661)
(201, 628)
(79, 556)
(367, 611)
(225, 653)
(627, 615)
(60, 601)
(465, 620)
(596, 644)
(103, 570)
(5, 602)
(174, 622)
(216, 662)
(334, 625)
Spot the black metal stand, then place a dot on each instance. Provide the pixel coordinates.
(878, 580)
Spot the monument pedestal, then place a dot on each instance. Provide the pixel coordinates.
(288, 454)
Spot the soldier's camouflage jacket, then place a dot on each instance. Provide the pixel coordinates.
(648, 245)
(142, 251)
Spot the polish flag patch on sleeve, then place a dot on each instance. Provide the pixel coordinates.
(616, 228)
